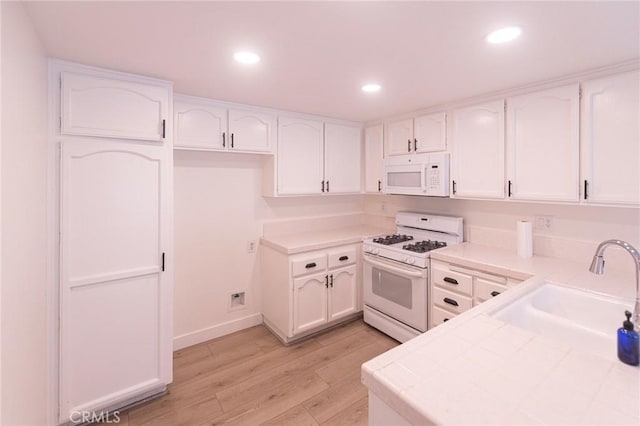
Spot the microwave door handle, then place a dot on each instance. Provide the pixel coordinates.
(393, 268)
(423, 178)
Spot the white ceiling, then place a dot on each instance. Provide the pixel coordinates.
(316, 55)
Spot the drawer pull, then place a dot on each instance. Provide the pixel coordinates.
(450, 280)
(310, 265)
(495, 293)
(450, 301)
(343, 258)
(445, 320)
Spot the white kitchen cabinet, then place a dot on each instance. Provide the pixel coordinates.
(477, 151)
(316, 158)
(92, 105)
(306, 292)
(300, 156)
(202, 124)
(310, 301)
(426, 133)
(543, 145)
(115, 232)
(342, 158)
(455, 289)
(610, 140)
(373, 156)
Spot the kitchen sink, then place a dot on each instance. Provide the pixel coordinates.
(582, 319)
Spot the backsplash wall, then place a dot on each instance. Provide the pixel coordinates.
(575, 232)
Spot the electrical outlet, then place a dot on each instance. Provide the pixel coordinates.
(251, 246)
(544, 223)
(383, 206)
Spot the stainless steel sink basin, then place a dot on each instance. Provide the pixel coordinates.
(584, 320)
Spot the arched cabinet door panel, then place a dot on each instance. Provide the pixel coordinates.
(115, 296)
(106, 107)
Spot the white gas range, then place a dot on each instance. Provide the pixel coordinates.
(396, 272)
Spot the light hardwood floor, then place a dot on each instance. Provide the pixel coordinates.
(250, 378)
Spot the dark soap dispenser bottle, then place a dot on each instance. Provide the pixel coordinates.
(628, 342)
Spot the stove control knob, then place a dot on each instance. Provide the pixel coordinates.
(411, 261)
(367, 249)
(404, 258)
(375, 251)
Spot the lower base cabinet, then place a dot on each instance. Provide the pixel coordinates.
(304, 293)
(455, 289)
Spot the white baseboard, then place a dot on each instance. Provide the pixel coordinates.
(218, 330)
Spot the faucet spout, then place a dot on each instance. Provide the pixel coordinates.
(597, 267)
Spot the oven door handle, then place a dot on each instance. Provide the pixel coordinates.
(393, 268)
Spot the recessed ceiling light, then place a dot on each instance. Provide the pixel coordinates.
(504, 35)
(371, 87)
(246, 57)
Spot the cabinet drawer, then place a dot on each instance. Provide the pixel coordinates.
(442, 276)
(440, 316)
(450, 301)
(307, 264)
(485, 290)
(342, 257)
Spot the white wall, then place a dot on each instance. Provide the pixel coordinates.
(24, 230)
(218, 207)
(575, 232)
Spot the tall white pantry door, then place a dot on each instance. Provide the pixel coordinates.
(115, 316)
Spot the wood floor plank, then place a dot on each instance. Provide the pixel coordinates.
(250, 378)
(336, 398)
(357, 414)
(296, 416)
(334, 371)
(268, 399)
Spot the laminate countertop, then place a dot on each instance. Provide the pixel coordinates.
(317, 240)
(476, 369)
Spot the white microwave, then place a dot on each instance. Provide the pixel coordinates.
(417, 174)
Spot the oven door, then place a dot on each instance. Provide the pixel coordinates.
(397, 290)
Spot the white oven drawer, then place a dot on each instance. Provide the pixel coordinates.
(342, 257)
(306, 264)
(451, 280)
(450, 301)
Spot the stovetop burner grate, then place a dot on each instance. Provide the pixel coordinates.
(392, 239)
(424, 246)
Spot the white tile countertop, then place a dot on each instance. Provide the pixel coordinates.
(317, 240)
(475, 369)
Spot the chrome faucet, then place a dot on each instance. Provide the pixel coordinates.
(597, 267)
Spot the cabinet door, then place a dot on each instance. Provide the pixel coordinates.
(309, 302)
(610, 145)
(115, 296)
(399, 137)
(199, 126)
(542, 145)
(373, 155)
(96, 106)
(343, 293)
(300, 156)
(430, 132)
(477, 151)
(342, 157)
(250, 131)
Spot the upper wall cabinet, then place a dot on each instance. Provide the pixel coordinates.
(342, 158)
(477, 144)
(426, 133)
(300, 156)
(97, 106)
(315, 158)
(610, 145)
(206, 125)
(543, 145)
(373, 155)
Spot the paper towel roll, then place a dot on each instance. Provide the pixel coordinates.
(525, 239)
